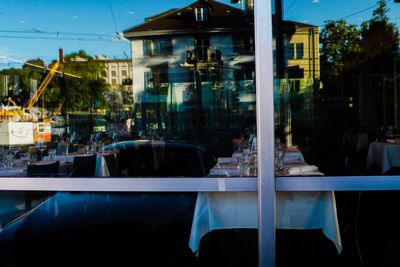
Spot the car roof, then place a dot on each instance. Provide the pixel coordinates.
(153, 143)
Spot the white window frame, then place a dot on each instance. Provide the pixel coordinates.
(266, 184)
(201, 14)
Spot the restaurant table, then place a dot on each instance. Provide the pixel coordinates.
(65, 166)
(383, 154)
(293, 164)
(294, 210)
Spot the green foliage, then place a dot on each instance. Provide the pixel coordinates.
(345, 46)
(341, 49)
(79, 94)
(378, 33)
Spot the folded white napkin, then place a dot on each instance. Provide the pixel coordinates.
(301, 169)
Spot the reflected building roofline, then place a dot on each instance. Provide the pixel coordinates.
(220, 18)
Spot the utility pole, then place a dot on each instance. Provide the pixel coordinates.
(63, 89)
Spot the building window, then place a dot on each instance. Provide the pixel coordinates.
(113, 82)
(299, 50)
(295, 51)
(113, 73)
(290, 54)
(202, 47)
(201, 14)
(157, 47)
(148, 81)
(243, 43)
(124, 73)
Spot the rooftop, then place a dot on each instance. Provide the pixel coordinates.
(221, 18)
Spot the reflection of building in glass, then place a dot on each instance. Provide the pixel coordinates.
(297, 72)
(193, 72)
(118, 71)
(302, 51)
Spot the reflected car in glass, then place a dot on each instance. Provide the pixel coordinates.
(142, 229)
(145, 158)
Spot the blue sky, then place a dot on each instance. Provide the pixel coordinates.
(91, 24)
(317, 11)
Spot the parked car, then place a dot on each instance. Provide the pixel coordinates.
(147, 158)
(118, 229)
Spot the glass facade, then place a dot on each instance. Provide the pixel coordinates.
(335, 100)
(181, 125)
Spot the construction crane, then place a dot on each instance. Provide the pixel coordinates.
(43, 85)
(16, 119)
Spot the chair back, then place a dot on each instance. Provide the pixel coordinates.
(43, 169)
(84, 166)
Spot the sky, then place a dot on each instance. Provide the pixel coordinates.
(38, 28)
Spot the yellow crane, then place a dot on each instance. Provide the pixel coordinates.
(43, 85)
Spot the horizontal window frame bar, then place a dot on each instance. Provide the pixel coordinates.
(202, 184)
(337, 183)
(118, 184)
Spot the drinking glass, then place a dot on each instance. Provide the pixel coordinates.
(87, 149)
(92, 138)
(41, 146)
(52, 154)
(10, 160)
(14, 149)
(25, 157)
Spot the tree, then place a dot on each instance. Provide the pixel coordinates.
(340, 50)
(378, 33)
(85, 93)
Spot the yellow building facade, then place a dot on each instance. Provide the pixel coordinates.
(302, 52)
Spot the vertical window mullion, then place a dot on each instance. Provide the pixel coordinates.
(265, 133)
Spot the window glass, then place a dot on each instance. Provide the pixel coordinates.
(336, 85)
(299, 50)
(174, 72)
(336, 93)
(132, 89)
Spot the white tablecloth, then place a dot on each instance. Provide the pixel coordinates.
(386, 155)
(294, 210)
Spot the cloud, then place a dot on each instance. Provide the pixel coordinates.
(315, 1)
(21, 21)
(131, 12)
(75, 17)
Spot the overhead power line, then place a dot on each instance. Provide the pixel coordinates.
(59, 38)
(363, 10)
(38, 66)
(113, 17)
(61, 33)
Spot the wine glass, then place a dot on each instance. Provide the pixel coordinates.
(114, 140)
(99, 142)
(92, 138)
(73, 137)
(14, 149)
(92, 143)
(41, 146)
